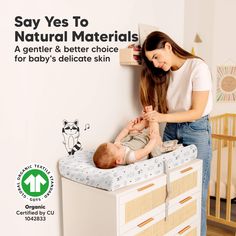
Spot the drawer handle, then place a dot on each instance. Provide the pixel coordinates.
(186, 170)
(145, 222)
(184, 229)
(185, 200)
(145, 187)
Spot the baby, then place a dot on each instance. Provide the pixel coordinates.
(134, 143)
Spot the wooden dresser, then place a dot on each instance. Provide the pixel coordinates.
(136, 210)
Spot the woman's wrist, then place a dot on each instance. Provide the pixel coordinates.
(162, 118)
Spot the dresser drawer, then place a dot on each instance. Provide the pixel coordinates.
(149, 227)
(190, 232)
(142, 203)
(158, 225)
(182, 212)
(191, 227)
(149, 199)
(185, 179)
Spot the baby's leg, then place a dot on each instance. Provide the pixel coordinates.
(154, 129)
(155, 133)
(143, 123)
(154, 126)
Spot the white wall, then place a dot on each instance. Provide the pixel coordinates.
(35, 98)
(199, 18)
(214, 21)
(224, 47)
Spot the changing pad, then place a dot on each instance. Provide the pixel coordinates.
(80, 168)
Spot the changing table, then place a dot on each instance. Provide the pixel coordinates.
(140, 209)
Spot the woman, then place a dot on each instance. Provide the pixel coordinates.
(178, 85)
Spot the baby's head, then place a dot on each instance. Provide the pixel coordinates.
(107, 155)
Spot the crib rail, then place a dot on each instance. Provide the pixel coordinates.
(223, 136)
(224, 124)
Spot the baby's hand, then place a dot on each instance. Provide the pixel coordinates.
(130, 125)
(137, 120)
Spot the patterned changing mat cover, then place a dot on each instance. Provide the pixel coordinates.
(80, 168)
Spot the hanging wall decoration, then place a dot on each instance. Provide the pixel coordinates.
(226, 84)
(197, 41)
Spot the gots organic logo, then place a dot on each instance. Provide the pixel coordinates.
(35, 182)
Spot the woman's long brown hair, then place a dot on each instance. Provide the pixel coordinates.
(154, 81)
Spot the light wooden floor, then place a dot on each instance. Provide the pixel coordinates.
(213, 230)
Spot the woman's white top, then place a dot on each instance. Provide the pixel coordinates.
(193, 75)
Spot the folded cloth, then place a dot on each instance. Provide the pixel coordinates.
(170, 145)
(166, 146)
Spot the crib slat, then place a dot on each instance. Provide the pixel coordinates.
(220, 127)
(234, 128)
(214, 125)
(213, 130)
(229, 180)
(218, 176)
(226, 130)
(208, 201)
(223, 131)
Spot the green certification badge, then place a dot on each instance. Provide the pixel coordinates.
(35, 182)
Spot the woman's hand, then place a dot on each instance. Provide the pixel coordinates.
(154, 116)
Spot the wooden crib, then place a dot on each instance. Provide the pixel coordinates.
(222, 188)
